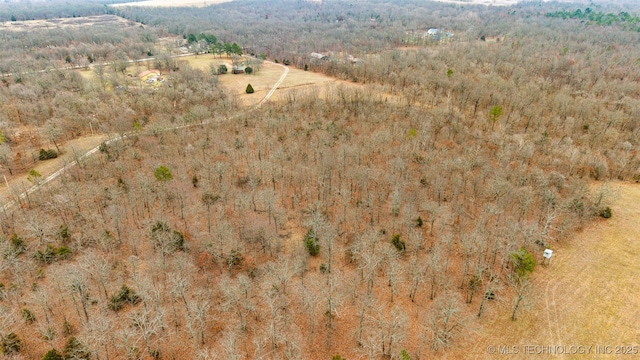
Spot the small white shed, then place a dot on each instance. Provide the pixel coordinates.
(547, 256)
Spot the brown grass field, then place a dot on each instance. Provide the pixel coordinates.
(488, 2)
(588, 295)
(172, 3)
(481, 2)
(45, 24)
(296, 82)
(236, 84)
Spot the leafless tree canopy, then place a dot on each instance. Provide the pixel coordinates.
(378, 216)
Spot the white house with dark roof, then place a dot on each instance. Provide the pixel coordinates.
(318, 56)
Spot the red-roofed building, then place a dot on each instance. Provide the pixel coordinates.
(149, 74)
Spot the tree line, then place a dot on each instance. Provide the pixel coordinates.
(599, 17)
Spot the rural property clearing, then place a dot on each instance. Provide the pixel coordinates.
(488, 2)
(20, 186)
(296, 81)
(171, 3)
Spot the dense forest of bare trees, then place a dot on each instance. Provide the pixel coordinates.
(368, 222)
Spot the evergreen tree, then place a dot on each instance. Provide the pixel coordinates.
(74, 349)
(52, 355)
(523, 263)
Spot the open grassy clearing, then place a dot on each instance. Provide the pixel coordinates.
(481, 2)
(588, 296)
(591, 291)
(488, 2)
(261, 81)
(171, 3)
(297, 81)
(88, 74)
(64, 23)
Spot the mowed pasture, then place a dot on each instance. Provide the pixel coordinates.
(65, 23)
(587, 296)
(487, 2)
(297, 81)
(262, 80)
(171, 3)
(482, 2)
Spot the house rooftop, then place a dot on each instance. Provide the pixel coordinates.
(319, 56)
(147, 72)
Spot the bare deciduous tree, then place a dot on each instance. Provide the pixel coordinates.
(148, 324)
(446, 320)
(78, 283)
(230, 346)
(522, 288)
(197, 313)
(393, 269)
(98, 335)
(417, 272)
(391, 327)
(237, 298)
(369, 259)
(98, 268)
